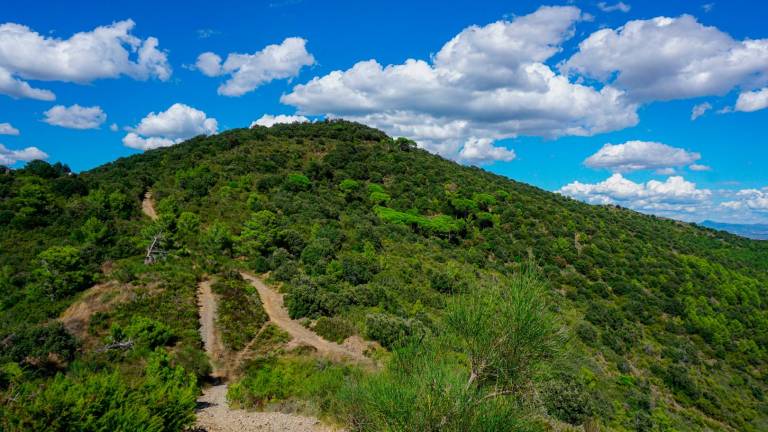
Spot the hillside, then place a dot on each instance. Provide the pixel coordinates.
(658, 324)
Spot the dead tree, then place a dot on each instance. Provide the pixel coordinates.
(154, 253)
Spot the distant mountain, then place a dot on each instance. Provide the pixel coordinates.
(753, 231)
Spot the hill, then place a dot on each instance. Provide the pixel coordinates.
(621, 320)
(752, 231)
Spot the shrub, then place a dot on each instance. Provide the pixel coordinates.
(162, 400)
(297, 182)
(506, 329)
(46, 348)
(143, 331)
(390, 330)
(567, 399)
(334, 329)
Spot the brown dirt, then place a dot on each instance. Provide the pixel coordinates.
(206, 301)
(99, 298)
(214, 413)
(273, 305)
(148, 206)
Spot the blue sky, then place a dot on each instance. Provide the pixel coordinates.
(534, 92)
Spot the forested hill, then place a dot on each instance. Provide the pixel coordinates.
(667, 321)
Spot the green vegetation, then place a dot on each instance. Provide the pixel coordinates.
(666, 322)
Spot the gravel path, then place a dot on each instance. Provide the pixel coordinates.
(214, 415)
(273, 305)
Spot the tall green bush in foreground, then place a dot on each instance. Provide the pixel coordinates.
(472, 377)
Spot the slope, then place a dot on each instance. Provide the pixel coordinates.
(371, 236)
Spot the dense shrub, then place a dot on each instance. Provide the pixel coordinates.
(390, 330)
(334, 329)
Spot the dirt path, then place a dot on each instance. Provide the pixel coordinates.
(206, 301)
(273, 305)
(215, 416)
(148, 206)
(213, 413)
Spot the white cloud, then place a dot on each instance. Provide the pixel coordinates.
(8, 129)
(113, 127)
(482, 151)
(268, 120)
(620, 6)
(670, 58)
(9, 157)
(487, 82)
(699, 167)
(169, 127)
(105, 52)
(699, 110)
(749, 199)
(675, 194)
(75, 117)
(640, 155)
(249, 71)
(752, 101)
(209, 64)
(708, 7)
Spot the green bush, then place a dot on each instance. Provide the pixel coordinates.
(392, 331)
(163, 399)
(46, 348)
(568, 400)
(334, 329)
(297, 182)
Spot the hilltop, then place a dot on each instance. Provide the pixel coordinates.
(645, 323)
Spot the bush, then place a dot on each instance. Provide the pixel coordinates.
(46, 348)
(334, 329)
(162, 400)
(297, 182)
(390, 330)
(567, 399)
(143, 331)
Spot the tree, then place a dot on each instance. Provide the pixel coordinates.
(61, 271)
(505, 330)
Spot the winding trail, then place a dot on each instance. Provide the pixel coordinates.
(213, 412)
(278, 315)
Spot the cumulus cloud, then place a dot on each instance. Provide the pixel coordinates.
(620, 6)
(8, 129)
(169, 127)
(75, 117)
(699, 110)
(749, 199)
(268, 120)
(9, 157)
(487, 83)
(248, 71)
(640, 155)
(482, 151)
(106, 52)
(675, 194)
(670, 58)
(752, 101)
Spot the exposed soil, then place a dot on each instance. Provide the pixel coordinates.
(148, 206)
(273, 304)
(214, 413)
(99, 298)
